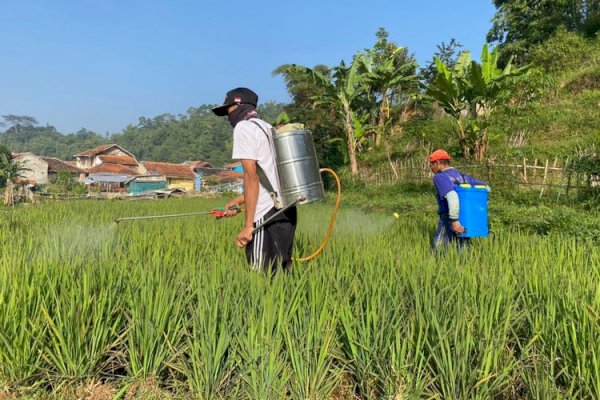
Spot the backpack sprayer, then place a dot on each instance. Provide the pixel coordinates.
(298, 175)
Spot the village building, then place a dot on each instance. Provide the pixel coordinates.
(235, 166)
(144, 184)
(57, 167)
(177, 176)
(109, 159)
(220, 179)
(35, 170)
(198, 164)
(108, 168)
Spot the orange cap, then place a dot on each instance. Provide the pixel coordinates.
(439, 155)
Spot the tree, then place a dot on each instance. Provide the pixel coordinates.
(391, 84)
(323, 122)
(19, 122)
(4, 155)
(339, 93)
(5, 151)
(470, 92)
(520, 24)
(390, 80)
(447, 53)
(360, 100)
(10, 171)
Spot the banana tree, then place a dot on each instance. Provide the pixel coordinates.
(388, 79)
(340, 94)
(470, 92)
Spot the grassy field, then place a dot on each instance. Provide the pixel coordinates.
(167, 309)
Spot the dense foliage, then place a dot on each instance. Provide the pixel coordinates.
(521, 24)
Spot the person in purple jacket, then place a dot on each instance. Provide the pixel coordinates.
(445, 178)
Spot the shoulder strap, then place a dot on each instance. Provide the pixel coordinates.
(464, 180)
(262, 177)
(456, 180)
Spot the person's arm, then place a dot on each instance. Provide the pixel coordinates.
(236, 202)
(453, 211)
(251, 190)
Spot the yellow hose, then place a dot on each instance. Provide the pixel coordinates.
(331, 220)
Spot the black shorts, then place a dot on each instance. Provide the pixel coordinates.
(272, 245)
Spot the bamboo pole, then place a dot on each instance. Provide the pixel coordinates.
(552, 176)
(544, 180)
(562, 180)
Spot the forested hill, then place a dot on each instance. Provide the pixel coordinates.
(196, 135)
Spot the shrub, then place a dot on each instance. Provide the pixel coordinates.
(567, 51)
(588, 79)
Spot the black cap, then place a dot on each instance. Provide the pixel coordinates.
(236, 96)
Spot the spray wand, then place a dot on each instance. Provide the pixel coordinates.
(217, 212)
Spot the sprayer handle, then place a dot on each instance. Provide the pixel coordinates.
(220, 212)
(235, 209)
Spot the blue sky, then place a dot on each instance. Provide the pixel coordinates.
(103, 64)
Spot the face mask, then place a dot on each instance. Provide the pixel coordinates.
(241, 113)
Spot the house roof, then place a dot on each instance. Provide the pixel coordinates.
(233, 164)
(108, 168)
(198, 164)
(168, 169)
(100, 149)
(56, 165)
(230, 176)
(18, 155)
(106, 178)
(223, 175)
(95, 150)
(123, 160)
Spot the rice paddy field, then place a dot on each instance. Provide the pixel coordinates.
(167, 309)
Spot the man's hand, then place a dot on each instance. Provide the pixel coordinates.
(233, 207)
(457, 227)
(244, 237)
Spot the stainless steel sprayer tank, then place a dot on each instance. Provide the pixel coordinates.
(297, 167)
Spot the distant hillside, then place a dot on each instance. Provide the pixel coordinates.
(196, 135)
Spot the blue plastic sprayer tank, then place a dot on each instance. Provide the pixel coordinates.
(473, 213)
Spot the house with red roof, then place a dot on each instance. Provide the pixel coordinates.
(109, 159)
(178, 176)
(108, 167)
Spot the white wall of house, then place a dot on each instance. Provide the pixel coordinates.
(85, 162)
(37, 168)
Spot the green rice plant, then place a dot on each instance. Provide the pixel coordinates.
(83, 313)
(562, 354)
(22, 327)
(171, 306)
(310, 339)
(209, 355)
(156, 317)
(410, 377)
(368, 322)
(264, 370)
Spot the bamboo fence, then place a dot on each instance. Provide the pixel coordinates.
(548, 177)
